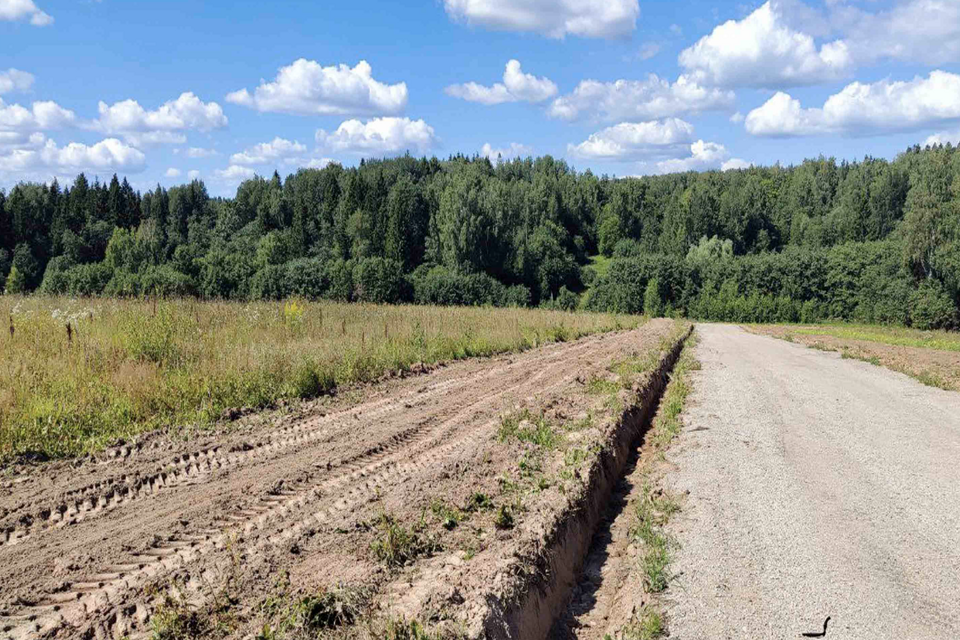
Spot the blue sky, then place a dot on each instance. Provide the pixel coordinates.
(675, 85)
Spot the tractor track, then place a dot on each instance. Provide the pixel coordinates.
(84, 568)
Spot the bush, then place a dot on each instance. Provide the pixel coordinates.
(87, 279)
(378, 280)
(565, 300)
(932, 308)
(652, 302)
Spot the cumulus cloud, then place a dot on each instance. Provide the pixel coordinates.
(13, 10)
(920, 31)
(109, 154)
(630, 141)
(551, 18)
(862, 109)
(648, 99)
(267, 152)
(762, 50)
(139, 126)
(648, 50)
(234, 173)
(704, 156)
(200, 152)
(511, 151)
(193, 174)
(172, 172)
(379, 136)
(306, 88)
(40, 116)
(15, 80)
(517, 86)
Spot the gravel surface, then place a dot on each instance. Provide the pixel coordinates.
(818, 487)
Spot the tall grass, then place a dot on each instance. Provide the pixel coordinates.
(899, 336)
(132, 366)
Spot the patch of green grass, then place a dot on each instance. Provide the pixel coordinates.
(178, 366)
(504, 518)
(598, 386)
(647, 624)
(932, 379)
(298, 616)
(899, 336)
(600, 264)
(397, 546)
(449, 517)
(478, 502)
(526, 427)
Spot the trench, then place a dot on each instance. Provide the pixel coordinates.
(541, 612)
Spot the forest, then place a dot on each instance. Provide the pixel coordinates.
(875, 241)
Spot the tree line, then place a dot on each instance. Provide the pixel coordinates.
(875, 241)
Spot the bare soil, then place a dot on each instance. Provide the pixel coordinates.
(937, 368)
(297, 503)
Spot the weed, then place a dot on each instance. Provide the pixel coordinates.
(574, 457)
(526, 427)
(173, 619)
(504, 518)
(478, 502)
(932, 379)
(598, 386)
(397, 546)
(449, 517)
(648, 625)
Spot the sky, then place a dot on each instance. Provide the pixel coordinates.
(163, 92)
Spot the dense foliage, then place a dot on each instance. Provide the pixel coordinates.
(873, 241)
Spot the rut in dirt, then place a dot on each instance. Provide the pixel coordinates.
(609, 586)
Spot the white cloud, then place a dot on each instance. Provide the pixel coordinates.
(140, 126)
(267, 152)
(762, 50)
(315, 163)
(552, 18)
(517, 86)
(234, 173)
(704, 156)
(630, 141)
(19, 9)
(172, 172)
(41, 115)
(648, 50)
(737, 118)
(200, 152)
(922, 31)
(109, 154)
(513, 150)
(861, 109)
(734, 164)
(647, 99)
(306, 88)
(193, 174)
(15, 80)
(379, 136)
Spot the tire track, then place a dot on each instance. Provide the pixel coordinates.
(106, 596)
(198, 466)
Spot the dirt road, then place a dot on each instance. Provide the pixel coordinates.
(86, 548)
(818, 487)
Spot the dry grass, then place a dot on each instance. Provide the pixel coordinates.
(130, 366)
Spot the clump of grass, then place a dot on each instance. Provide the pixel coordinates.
(403, 629)
(174, 619)
(598, 386)
(932, 379)
(299, 616)
(478, 502)
(397, 546)
(526, 427)
(504, 518)
(647, 625)
(651, 513)
(133, 366)
(449, 517)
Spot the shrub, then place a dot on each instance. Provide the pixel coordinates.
(932, 308)
(378, 280)
(652, 303)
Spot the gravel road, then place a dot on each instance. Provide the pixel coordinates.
(817, 487)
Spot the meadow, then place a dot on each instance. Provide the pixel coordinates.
(77, 375)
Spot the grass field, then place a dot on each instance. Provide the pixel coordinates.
(78, 375)
(899, 336)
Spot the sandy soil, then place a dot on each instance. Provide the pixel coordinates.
(818, 486)
(939, 368)
(88, 549)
